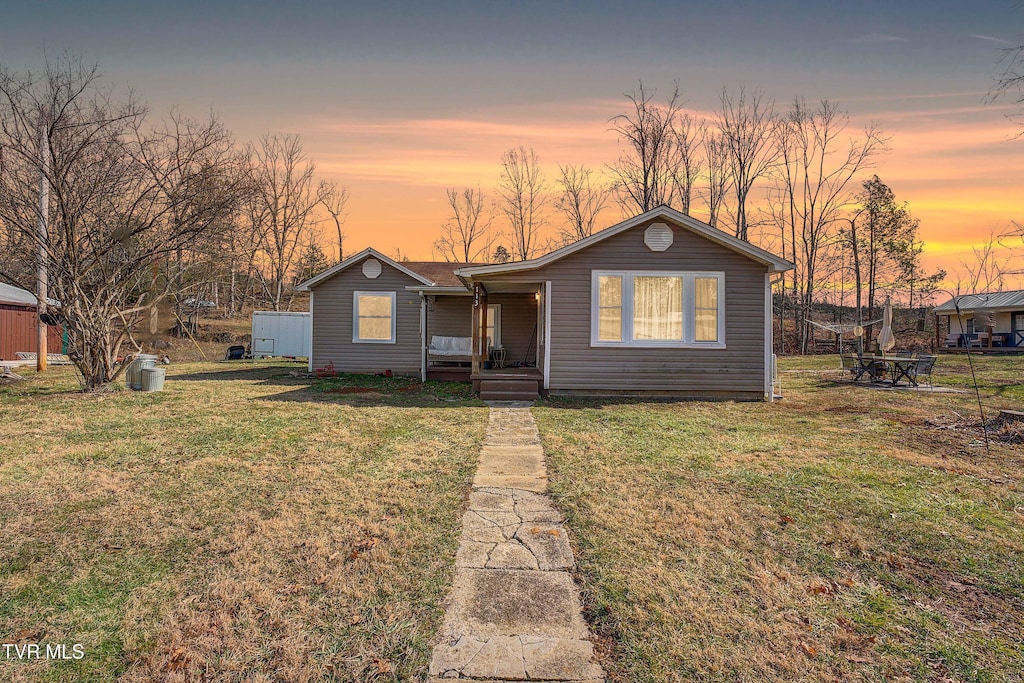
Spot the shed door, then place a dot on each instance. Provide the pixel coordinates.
(1017, 328)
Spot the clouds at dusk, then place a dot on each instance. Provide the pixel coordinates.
(399, 101)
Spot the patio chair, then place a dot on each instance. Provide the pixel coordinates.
(924, 366)
(980, 341)
(879, 368)
(852, 365)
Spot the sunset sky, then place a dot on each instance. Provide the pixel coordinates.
(398, 101)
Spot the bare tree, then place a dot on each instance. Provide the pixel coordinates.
(746, 127)
(648, 172)
(687, 160)
(282, 208)
(121, 198)
(987, 271)
(581, 201)
(335, 200)
(1011, 81)
(522, 190)
(819, 162)
(465, 236)
(716, 154)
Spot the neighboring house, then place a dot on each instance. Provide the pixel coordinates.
(19, 325)
(660, 303)
(987, 319)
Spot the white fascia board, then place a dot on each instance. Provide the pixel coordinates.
(456, 290)
(352, 260)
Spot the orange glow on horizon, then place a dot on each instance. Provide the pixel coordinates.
(958, 169)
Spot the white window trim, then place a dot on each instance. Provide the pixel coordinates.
(689, 309)
(496, 342)
(355, 317)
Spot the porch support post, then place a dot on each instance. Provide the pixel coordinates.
(484, 355)
(475, 330)
(547, 334)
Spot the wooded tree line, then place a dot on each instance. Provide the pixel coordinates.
(139, 210)
(791, 180)
(143, 210)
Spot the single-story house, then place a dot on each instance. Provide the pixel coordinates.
(987, 319)
(660, 303)
(19, 326)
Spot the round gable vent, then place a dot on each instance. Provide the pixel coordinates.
(371, 268)
(658, 237)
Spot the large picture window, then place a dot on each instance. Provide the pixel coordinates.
(373, 317)
(654, 308)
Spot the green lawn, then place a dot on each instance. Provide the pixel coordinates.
(241, 525)
(835, 535)
(250, 524)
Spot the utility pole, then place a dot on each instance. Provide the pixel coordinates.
(41, 277)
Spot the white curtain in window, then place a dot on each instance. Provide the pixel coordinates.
(706, 309)
(609, 308)
(657, 308)
(374, 317)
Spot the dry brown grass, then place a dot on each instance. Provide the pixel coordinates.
(833, 536)
(241, 525)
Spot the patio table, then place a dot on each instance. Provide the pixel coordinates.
(901, 368)
(860, 366)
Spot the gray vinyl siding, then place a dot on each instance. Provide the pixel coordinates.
(332, 324)
(450, 316)
(737, 370)
(518, 318)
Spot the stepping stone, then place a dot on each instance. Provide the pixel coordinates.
(514, 611)
(505, 602)
(547, 545)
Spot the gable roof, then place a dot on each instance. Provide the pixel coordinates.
(427, 273)
(775, 264)
(973, 302)
(353, 260)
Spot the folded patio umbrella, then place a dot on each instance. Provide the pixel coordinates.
(886, 339)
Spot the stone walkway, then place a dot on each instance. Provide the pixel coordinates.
(514, 610)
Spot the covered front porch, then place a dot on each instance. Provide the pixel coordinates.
(988, 331)
(507, 340)
(505, 326)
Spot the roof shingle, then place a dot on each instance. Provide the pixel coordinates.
(442, 273)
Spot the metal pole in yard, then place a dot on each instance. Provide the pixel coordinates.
(41, 276)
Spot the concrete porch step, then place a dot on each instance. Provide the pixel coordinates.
(509, 389)
(507, 396)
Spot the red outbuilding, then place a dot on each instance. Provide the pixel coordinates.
(18, 324)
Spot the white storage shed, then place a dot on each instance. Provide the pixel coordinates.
(278, 333)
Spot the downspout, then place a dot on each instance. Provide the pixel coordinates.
(312, 322)
(769, 342)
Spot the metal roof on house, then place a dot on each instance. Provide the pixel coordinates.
(987, 300)
(10, 294)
